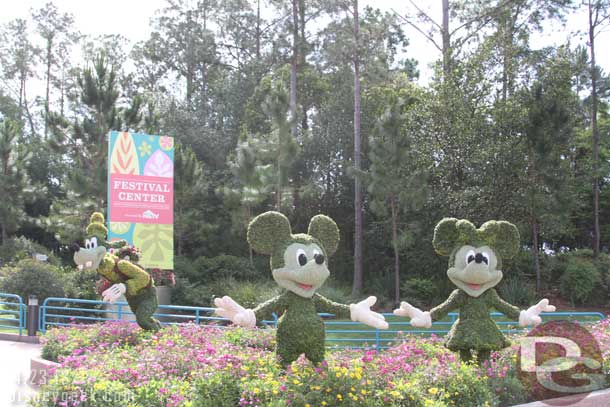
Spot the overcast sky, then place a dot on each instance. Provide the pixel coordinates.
(130, 18)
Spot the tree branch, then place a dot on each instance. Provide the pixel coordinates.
(428, 37)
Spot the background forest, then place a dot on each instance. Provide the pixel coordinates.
(312, 106)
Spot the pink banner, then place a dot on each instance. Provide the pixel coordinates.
(141, 199)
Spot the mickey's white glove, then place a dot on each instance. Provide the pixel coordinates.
(531, 316)
(227, 308)
(114, 292)
(361, 312)
(419, 318)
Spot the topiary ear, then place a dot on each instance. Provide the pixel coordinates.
(446, 236)
(326, 231)
(267, 231)
(501, 236)
(96, 227)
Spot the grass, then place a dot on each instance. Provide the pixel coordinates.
(359, 335)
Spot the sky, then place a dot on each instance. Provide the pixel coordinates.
(131, 18)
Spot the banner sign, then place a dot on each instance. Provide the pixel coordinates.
(141, 195)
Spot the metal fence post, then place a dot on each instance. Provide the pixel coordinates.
(32, 315)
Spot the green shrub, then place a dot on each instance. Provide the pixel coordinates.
(579, 280)
(20, 248)
(336, 292)
(223, 266)
(79, 284)
(218, 389)
(420, 291)
(517, 291)
(29, 277)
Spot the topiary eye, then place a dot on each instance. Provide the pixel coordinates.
(470, 256)
(87, 244)
(301, 257)
(93, 242)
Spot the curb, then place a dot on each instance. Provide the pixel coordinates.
(593, 399)
(40, 371)
(19, 338)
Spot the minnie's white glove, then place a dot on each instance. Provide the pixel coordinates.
(227, 308)
(531, 316)
(419, 318)
(361, 312)
(114, 292)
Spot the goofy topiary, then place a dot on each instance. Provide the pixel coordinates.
(299, 263)
(127, 278)
(475, 263)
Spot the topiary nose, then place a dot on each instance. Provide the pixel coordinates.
(478, 258)
(75, 247)
(319, 258)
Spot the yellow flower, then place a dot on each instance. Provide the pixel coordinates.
(429, 402)
(338, 374)
(324, 403)
(432, 390)
(339, 396)
(256, 390)
(307, 405)
(363, 392)
(295, 381)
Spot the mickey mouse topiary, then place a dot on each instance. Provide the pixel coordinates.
(299, 263)
(475, 262)
(127, 278)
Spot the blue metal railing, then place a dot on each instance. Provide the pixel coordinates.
(12, 312)
(364, 337)
(53, 314)
(339, 334)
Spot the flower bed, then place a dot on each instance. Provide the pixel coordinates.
(117, 364)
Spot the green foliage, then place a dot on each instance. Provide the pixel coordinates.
(267, 231)
(217, 389)
(579, 280)
(326, 231)
(517, 291)
(451, 233)
(19, 248)
(29, 277)
(97, 390)
(420, 291)
(13, 178)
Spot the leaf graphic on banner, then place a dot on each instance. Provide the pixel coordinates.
(120, 227)
(156, 243)
(159, 165)
(124, 157)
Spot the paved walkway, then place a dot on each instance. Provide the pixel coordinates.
(15, 372)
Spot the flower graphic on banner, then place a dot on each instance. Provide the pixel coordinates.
(145, 149)
(166, 143)
(159, 165)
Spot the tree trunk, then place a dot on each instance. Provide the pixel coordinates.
(595, 131)
(535, 249)
(358, 233)
(3, 234)
(293, 68)
(258, 30)
(396, 254)
(278, 193)
(302, 58)
(48, 90)
(446, 41)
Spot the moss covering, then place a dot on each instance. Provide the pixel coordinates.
(295, 262)
(140, 290)
(475, 260)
